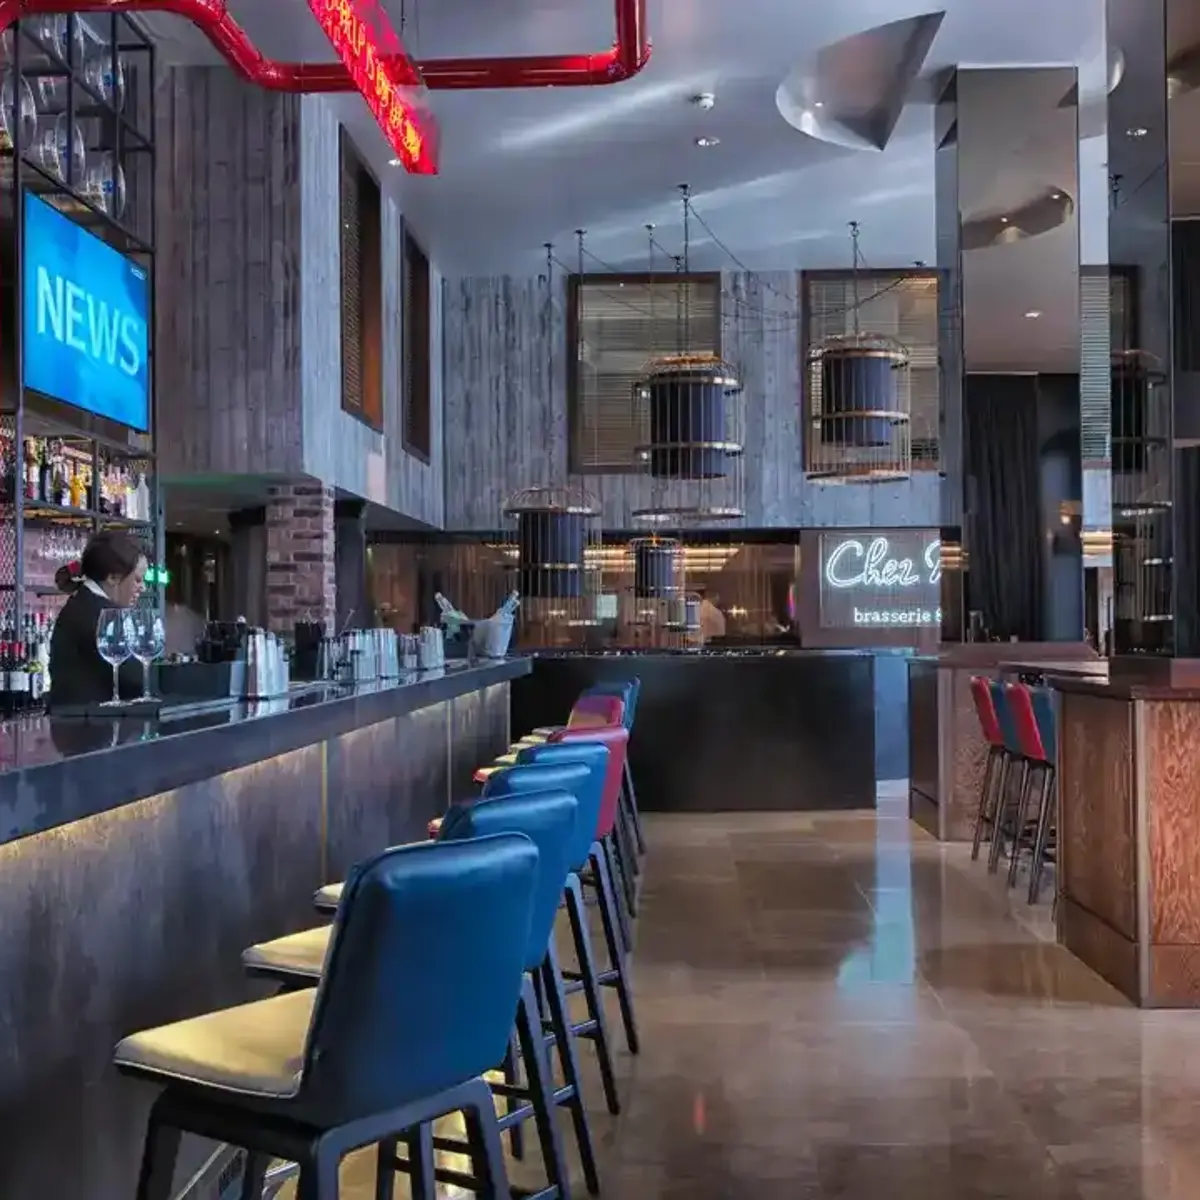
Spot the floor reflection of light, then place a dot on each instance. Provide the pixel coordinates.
(891, 954)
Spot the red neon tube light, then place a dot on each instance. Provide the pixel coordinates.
(623, 60)
(362, 35)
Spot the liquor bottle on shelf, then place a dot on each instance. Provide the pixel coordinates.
(8, 471)
(36, 684)
(75, 488)
(58, 467)
(15, 677)
(45, 487)
(31, 469)
(141, 498)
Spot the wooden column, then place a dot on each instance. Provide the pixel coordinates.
(1129, 857)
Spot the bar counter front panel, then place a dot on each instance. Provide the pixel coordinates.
(138, 915)
(717, 732)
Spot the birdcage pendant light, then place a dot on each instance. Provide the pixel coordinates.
(689, 408)
(860, 398)
(553, 543)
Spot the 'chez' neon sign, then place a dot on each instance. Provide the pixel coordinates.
(871, 566)
(356, 29)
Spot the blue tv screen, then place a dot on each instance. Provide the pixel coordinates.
(85, 319)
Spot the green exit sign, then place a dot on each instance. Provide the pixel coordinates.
(157, 575)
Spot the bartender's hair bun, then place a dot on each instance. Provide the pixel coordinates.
(68, 577)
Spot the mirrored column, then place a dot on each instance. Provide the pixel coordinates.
(1008, 183)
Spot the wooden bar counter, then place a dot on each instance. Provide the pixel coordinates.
(1129, 836)
(947, 752)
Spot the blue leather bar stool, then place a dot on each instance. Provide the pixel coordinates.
(547, 818)
(1008, 797)
(397, 1034)
(594, 869)
(581, 773)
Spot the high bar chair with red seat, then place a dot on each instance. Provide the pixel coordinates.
(595, 710)
(617, 935)
(1040, 770)
(995, 770)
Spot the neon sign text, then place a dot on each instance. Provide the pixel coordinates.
(356, 29)
(870, 566)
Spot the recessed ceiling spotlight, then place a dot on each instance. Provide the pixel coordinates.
(395, 162)
(706, 142)
(1003, 220)
(1138, 131)
(1032, 314)
(704, 100)
(818, 104)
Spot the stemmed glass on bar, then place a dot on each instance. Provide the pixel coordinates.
(149, 639)
(114, 641)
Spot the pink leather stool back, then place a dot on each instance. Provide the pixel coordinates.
(1029, 736)
(616, 738)
(590, 711)
(985, 710)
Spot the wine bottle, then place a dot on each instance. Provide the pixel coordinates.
(8, 472)
(75, 487)
(30, 469)
(59, 482)
(45, 485)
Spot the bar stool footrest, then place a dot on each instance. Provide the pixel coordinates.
(467, 1181)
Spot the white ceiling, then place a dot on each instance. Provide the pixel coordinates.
(520, 168)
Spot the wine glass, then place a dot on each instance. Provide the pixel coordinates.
(149, 638)
(113, 638)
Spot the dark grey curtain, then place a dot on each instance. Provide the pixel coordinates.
(1003, 504)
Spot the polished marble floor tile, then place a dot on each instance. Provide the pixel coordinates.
(836, 1006)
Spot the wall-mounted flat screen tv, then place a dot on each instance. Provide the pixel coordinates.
(85, 319)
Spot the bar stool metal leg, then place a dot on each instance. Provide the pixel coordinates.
(254, 1176)
(993, 776)
(617, 975)
(1045, 825)
(629, 797)
(539, 1096)
(625, 856)
(1004, 804)
(571, 1095)
(512, 1077)
(1014, 861)
(616, 883)
(158, 1158)
(595, 1027)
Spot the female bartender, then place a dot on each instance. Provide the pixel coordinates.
(108, 575)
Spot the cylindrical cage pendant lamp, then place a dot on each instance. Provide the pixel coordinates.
(860, 401)
(690, 409)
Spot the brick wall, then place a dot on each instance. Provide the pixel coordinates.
(300, 582)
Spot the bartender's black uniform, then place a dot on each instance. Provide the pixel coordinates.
(78, 675)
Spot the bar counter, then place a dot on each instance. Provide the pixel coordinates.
(139, 858)
(727, 731)
(948, 753)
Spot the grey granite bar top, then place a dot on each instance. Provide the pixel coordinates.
(57, 770)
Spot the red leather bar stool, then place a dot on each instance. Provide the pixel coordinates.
(1039, 775)
(996, 767)
(1044, 847)
(629, 822)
